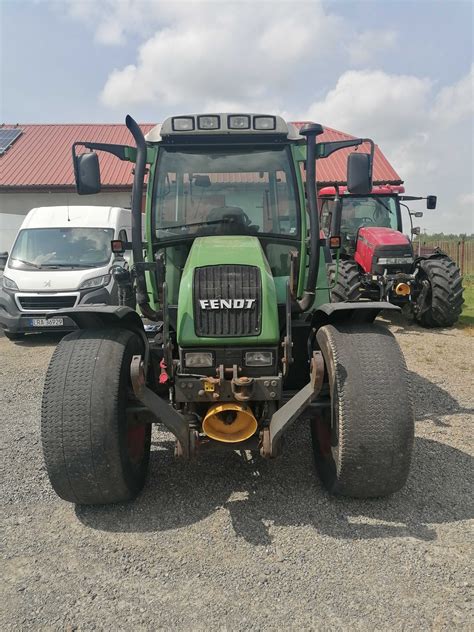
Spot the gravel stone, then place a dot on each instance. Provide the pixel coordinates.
(234, 543)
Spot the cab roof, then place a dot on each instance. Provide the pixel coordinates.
(223, 124)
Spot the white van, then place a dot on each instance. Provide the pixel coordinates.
(61, 257)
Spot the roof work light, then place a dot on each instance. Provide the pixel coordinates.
(208, 122)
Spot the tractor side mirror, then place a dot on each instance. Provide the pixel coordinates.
(87, 173)
(359, 173)
(431, 202)
(416, 230)
(418, 214)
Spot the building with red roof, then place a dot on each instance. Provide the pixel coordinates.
(36, 169)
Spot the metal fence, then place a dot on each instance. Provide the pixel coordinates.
(460, 251)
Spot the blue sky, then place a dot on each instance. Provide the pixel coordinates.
(400, 72)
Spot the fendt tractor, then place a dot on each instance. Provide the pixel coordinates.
(378, 262)
(237, 337)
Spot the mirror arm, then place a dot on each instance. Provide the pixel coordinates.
(120, 151)
(326, 149)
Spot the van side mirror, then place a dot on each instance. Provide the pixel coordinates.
(359, 173)
(3, 260)
(87, 173)
(431, 202)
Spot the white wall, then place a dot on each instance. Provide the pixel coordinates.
(14, 207)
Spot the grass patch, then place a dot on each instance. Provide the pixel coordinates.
(467, 317)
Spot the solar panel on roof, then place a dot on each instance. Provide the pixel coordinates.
(7, 137)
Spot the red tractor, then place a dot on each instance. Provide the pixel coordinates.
(377, 261)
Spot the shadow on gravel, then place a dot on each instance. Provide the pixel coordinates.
(39, 340)
(260, 495)
(406, 324)
(433, 403)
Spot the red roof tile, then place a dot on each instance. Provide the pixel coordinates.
(41, 157)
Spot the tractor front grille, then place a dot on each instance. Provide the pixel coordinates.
(237, 310)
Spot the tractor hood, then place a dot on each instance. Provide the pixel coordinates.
(381, 248)
(378, 236)
(227, 294)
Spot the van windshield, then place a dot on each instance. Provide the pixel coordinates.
(39, 248)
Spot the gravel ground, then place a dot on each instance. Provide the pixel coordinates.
(231, 543)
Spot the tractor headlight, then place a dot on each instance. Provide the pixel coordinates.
(9, 284)
(183, 124)
(198, 359)
(208, 122)
(239, 122)
(394, 261)
(259, 358)
(99, 281)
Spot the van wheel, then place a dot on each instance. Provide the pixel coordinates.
(95, 451)
(362, 444)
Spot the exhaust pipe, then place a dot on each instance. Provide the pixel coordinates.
(137, 199)
(311, 130)
(229, 423)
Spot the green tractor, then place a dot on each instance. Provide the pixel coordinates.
(237, 337)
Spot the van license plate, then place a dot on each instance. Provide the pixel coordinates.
(47, 322)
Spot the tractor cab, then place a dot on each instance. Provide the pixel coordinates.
(226, 179)
(346, 214)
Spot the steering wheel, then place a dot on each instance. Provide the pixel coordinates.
(223, 212)
(366, 220)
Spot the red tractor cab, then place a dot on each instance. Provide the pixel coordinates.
(377, 261)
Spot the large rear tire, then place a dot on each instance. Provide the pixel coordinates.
(445, 294)
(363, 443)
(95, 452)
(347, 286)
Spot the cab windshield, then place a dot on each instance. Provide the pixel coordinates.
(372, 210)
(53, 248)
(225, 192)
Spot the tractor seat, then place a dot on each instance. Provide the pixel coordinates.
(220, 212)
(237, 221)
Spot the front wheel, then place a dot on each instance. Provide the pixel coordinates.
(95, 450)
(362, 444)
(346, 287)
(444, 300)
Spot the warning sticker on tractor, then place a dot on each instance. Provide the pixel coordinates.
(209, 387)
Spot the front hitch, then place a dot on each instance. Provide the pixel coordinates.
(285, 416)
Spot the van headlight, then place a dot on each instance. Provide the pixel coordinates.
(95, 282)
(9, 284)
(259, 358)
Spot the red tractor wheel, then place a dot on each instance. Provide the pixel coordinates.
(443, 300)
(347, 285)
